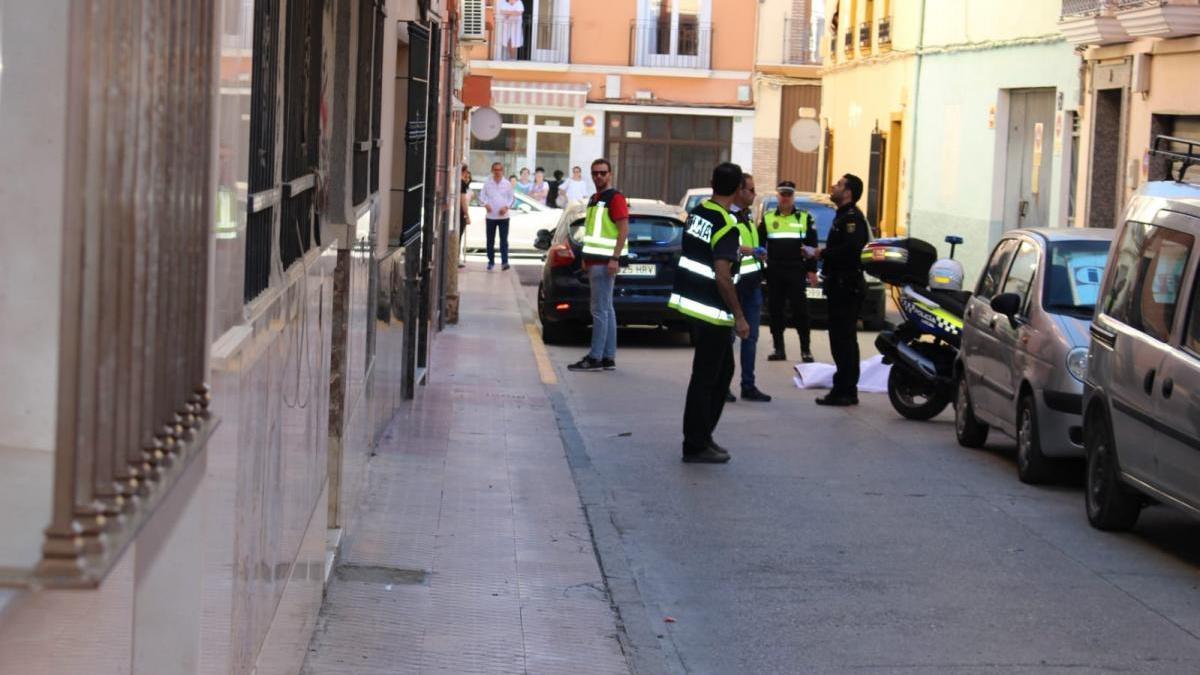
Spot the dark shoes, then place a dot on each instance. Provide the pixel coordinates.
(711, 454)
(608, 364)
(777, 355)
(730, 398)
(806, 357)
(837, 401)
(587, 365)
(753, 394)
(504, 267)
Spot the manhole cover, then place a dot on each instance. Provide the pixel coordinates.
(370, 574)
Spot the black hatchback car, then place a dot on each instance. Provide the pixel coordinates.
(642, 287)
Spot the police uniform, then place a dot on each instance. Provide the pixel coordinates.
(711, 235)
(787, 273)
(749, 289)
(844, 289)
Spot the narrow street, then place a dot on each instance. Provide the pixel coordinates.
(853, 540)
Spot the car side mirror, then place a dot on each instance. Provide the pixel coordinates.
(542, 242)
(1007, 304)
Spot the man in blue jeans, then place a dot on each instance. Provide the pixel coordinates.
(749, 287)
(605, 232)
(497, 196)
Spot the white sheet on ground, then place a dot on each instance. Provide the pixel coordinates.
(872, 378)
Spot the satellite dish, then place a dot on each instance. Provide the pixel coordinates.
(485, 124)
(805, 135)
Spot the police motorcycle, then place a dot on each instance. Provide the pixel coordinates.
(923, 348)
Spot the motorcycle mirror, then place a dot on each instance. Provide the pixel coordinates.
(542, 242)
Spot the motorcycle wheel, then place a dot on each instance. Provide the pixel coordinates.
(914, 397)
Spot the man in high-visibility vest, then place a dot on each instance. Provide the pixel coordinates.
(749, 287)
(606, 229)
(791, 268)
(705, 294)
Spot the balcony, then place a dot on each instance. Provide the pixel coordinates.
(1159, 18)
(864, 37)
(883, 33)
(848, 44)
(1091, 22)
(656, 44)
(542, 41)
(801, 45)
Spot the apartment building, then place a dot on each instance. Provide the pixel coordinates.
(663, 88)
(1140, 65)
(231, 270)
(787, 92)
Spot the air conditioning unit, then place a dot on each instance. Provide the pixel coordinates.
(471, 26)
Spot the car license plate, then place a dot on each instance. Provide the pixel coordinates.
(639, 271)
(815, 293)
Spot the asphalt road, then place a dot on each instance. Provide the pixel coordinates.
(853, 540)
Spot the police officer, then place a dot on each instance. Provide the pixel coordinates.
(705, 294)
(792, 267)
(749, 287)
(845, 287)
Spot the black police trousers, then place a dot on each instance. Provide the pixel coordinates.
(788, 286)
(844, 306)
(712, 371)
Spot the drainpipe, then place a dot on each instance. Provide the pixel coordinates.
(912, 148)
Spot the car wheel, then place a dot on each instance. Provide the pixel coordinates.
(970, 431)
(1110, 505)
(556, 333)
(1033, 467)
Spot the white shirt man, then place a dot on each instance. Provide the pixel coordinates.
(576, 188)
(497, 197)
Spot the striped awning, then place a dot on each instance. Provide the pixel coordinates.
(540, 94)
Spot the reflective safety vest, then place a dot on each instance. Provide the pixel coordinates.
(600, 231)
(751, 267)
(792, 226)
(695, 294)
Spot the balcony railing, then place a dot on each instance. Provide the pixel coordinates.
(801, 42)
(1072, 8)
(848, 43)
(654, 43)
(864, 37)
(883, 35)
(542, 41)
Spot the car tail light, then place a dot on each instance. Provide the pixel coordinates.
(561, 255)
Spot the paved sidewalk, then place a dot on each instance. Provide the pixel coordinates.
(470, 552)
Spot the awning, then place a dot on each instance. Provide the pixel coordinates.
(540, 94)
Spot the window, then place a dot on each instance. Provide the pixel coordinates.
(1192, 341)
(990, 281)
(259, 220)
(367, 84)
(1164, 261)
(1023, 270)
(301, 129)
(675, 33)
(1073, 277)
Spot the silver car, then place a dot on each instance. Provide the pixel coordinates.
(1142, 399)
(1024, 345)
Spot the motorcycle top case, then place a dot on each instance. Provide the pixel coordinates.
(899, 261)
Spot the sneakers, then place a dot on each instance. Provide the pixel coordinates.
(753, 394)
(806, 357)
(491, 266)
(587, 365)
(777, 356)
(711, 454)
(504, 267)
(608, 364)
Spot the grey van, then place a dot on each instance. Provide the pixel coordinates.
(1142, 397)
(1024, 344)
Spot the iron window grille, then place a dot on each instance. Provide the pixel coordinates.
(301, 130)
(262, 194)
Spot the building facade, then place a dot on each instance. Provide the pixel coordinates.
(239, 248)
(787, 93)
(1140, 61)
(957, 114)
(661, 87)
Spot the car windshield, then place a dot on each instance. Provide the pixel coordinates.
(822, 213)
(1073, 277)
(643, 230)
(693, 200)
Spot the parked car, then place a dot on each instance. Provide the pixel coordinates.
(693, 197)
(1024, 345)
(1142, 395)
(526, 217)
(642, 287)
(874, 307)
